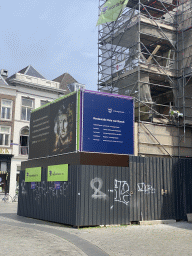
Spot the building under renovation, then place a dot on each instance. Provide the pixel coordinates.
(147, 53)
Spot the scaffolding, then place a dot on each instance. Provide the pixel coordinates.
(147, 53)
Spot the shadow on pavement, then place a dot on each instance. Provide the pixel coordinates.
(182, 225)
(14, 216)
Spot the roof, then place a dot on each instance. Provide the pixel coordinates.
(64, 80)
(29, 71)
(3, 82)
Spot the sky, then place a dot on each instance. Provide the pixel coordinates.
(53, 36)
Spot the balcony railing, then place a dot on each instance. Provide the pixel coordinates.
(23, 150)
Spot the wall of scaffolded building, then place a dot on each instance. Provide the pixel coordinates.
(146, 54)
(185, 60)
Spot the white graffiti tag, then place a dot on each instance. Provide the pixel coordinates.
(23, 191)
(121, 189)
(142, 187)
(98, 194)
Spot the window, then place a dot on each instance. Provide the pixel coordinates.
(6, 109)
(24, 140)
(27, 106)
(5, 135)
(4, 167)
(44, 102)
(3, 172)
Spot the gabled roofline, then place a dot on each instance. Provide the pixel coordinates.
(27, 69)
(34, 69)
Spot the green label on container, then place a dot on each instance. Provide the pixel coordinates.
(57, 172)
(33, 174)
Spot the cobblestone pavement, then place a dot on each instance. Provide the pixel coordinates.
(24, 236)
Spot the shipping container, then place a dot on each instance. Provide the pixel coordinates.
(148, 189)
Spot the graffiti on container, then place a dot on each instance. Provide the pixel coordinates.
(40, 190)
(43, 189)
(121, 189)
(56, 192)
(147, 189)
(63, 188)
(23, 190)
(98, 194)
(51, 189)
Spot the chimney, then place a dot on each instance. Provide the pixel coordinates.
(4, 73)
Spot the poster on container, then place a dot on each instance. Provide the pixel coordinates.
(53, 128)
(63, 126)
(39, 133)
(82, 121)
(107, 124)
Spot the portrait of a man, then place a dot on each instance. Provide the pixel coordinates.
(63, 129)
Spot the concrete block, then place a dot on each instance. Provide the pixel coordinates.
(189, 217)
(155, 222)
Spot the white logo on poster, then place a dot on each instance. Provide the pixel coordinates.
(110, 110)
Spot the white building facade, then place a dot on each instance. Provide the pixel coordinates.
(7, 110)
(32, 91)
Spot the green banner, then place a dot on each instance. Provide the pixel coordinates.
(33, 174)
(111, 10)
(57, 172)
